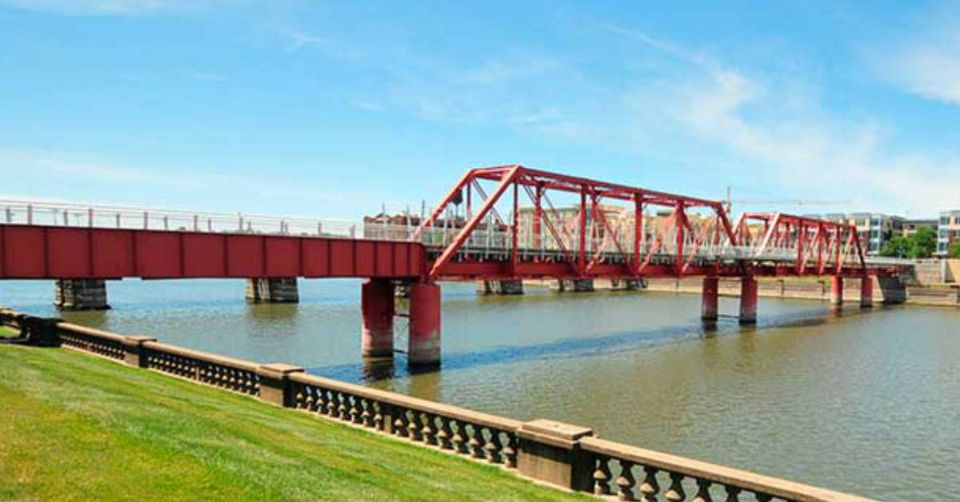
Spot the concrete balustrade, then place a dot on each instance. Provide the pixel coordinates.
(566, 456)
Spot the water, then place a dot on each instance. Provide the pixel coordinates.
(861, 402)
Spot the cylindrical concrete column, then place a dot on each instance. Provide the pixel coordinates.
(866, 292)
(748, 300)
(377, 310)
(836, 290)
(710, 302)
(424, 338)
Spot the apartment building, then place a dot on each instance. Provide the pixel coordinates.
(948, 230)
(874, 229)
(910, 227)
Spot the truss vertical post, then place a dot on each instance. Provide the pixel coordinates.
(515, 246)
(582, 256)
(681, 224)
(536, 226)
(639, 232)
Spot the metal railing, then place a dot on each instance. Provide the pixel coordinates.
(488, 240)
(22, 212)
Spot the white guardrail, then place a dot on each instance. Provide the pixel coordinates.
(486, 240)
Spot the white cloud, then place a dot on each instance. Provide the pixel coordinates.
(810, 149)
(927, 61)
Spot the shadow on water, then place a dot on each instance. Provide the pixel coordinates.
(390, 368)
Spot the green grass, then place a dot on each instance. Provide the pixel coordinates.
(7, 332)
(76, 427)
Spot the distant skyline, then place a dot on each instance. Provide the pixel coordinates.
(331, 109)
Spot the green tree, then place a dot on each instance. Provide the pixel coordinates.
(896, 247)
(924, 243)
(954, 250)
(919, 245)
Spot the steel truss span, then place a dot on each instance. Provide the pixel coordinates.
(496, 222)
(619, 231)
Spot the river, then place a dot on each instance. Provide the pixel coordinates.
(866, 402)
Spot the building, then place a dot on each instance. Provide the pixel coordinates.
(874, 229)
(910, 227)
(948, 230)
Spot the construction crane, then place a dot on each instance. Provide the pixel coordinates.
(780, 202)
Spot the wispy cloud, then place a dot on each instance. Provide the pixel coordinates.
(926, 62)
(809, 148)
(47, 164)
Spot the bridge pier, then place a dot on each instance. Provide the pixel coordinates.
(836, 290)
(575, 285)
(866, 292)
(710, 303)
(748, 300)
(424, 339)
(80, 294)
(377, 310)
(893, 289)
(273, 290)
(500, 287)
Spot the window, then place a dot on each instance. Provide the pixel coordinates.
(944, 220)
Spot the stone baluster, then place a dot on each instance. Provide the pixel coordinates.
(675, 493)
(601, 477)
(650, 488)
(366, 417)
(733, 493)
(335, 404)
(476, 442)
(510, 452)
(703, 491)
(626, 482)
(493, 447)
(459, 439)
(414, 425)
(355, 407)
(400, 422)
(427, 432)
(445, 434)
(342, 409)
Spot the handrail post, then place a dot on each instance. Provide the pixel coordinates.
(550, 452)
(134, 353)
(29, 214)
(275, 385)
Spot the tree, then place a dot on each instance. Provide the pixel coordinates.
(896, 247)
(924, 243)
(954, 250)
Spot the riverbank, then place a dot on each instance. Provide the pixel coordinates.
(811, 288)
(76, 427)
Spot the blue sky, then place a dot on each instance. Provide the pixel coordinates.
(330, 109)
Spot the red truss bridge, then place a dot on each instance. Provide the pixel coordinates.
(496, 223)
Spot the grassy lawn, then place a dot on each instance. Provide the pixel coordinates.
(77, 427)
(6, 332)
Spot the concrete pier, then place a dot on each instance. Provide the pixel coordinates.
(273, 290)
(836, 290)
(81, 294)
(866, 292)
(500, 287)
(710, 306)
(424, 339)
(893, 289)
(575, 285)
(377, 309)
(748, 300)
